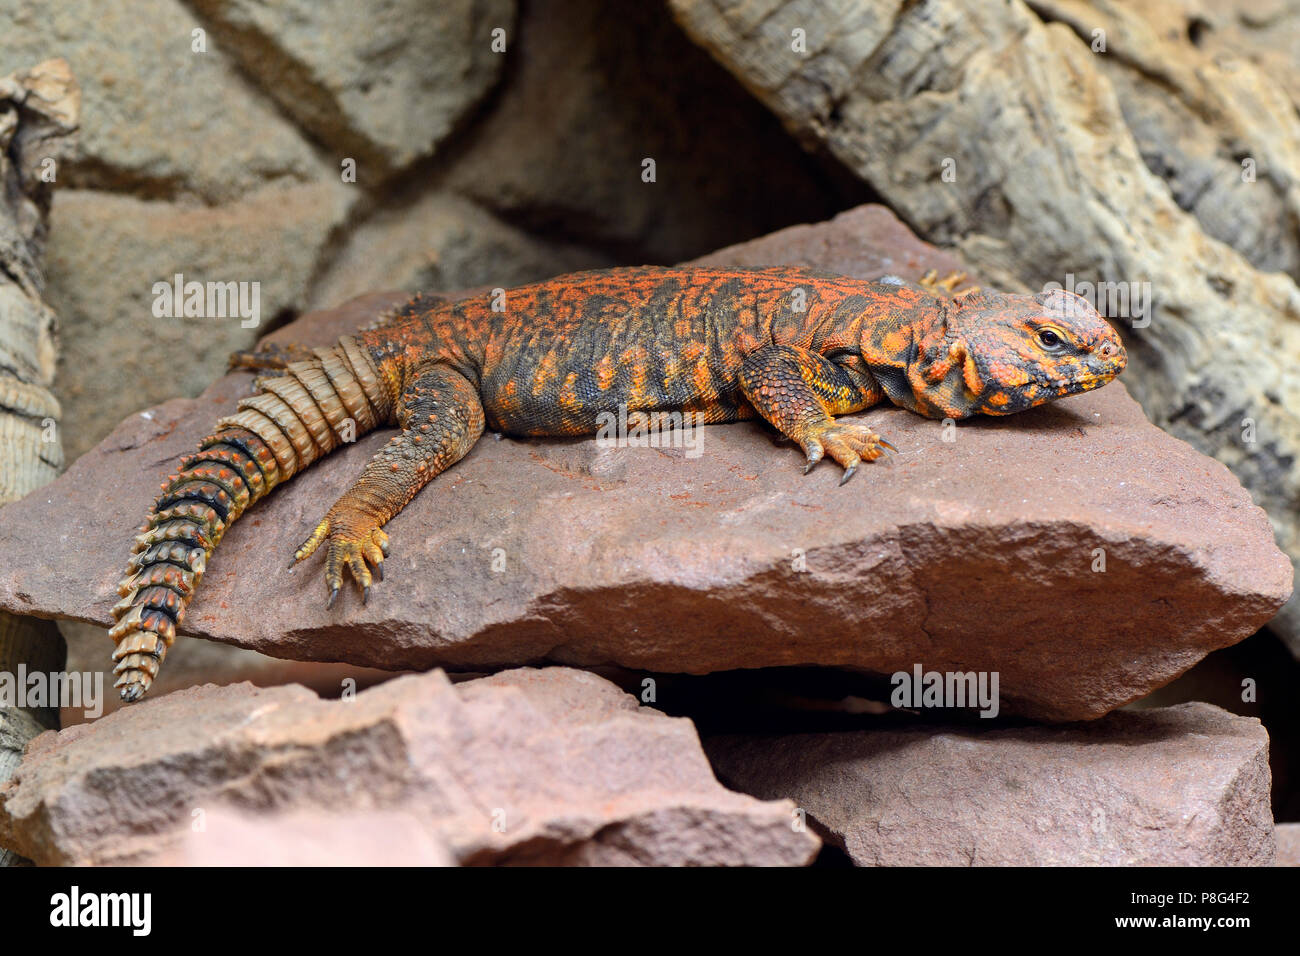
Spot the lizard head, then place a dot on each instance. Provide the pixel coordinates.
(997, 353)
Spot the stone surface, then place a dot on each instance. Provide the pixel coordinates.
(555, 766)
(990, 130)
(107, 251)
(1199, 99)
(590, 95)
(1265, 32)
(1182, 786)
(309, 838)
(182, 166)
(975, 553)
(1288, 844)
(39, 112)
(382, 83)
(442, 241)
(158, 118)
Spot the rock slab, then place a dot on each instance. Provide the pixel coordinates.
(1180, 786)
(1075, 549)
(382, 82)
(552, 766)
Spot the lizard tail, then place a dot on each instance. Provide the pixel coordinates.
(293, 420)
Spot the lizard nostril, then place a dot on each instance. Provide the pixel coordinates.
(1107, 350)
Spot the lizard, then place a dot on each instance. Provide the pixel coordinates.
(793, 346)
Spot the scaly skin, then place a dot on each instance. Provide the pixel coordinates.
(793, 346)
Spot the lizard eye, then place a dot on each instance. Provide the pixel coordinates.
(1051, 339)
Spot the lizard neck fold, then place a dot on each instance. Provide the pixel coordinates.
(919, 360)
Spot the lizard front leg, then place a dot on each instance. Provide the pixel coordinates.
(441, 418)
(799, 392)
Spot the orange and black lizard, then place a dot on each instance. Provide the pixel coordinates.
(792, 346)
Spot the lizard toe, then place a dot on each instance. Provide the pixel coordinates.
(815, 452)
(845, 451)
(357, 565)
(352, 551)
(866, 443)
(309, 546)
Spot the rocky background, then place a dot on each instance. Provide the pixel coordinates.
(331, 150)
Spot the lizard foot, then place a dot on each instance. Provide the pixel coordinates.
(848, 443)
(352, 543)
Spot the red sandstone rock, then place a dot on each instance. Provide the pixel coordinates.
(1178, 786)
(553, 766)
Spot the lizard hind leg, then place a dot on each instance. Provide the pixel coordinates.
(441, 418)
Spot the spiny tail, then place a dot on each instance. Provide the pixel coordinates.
(293, 420)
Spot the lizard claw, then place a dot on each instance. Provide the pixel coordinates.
(849, 472)
(815, 453)
(353, 546)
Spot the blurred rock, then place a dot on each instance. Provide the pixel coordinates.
(1185, 786)
(1001, 135)
(550, 767)
(1265, 32)
(593, 90)
(383, 83)
(158, 119)
(1198, 113)
(441, 241)
(39, 114)
(106, 253)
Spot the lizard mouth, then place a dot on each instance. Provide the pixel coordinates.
(1090, 381)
